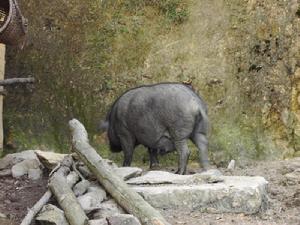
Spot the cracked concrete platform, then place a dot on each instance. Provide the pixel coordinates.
(235, 194)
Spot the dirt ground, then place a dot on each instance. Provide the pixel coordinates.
(284, 198)
(16, 195)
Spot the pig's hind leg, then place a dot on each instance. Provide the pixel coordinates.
(127, 144)
(201, 142)
(153, 158)
(184, 153)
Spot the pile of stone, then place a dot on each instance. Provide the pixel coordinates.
(96, 203)
(20, 164)
(209, 191)
(88, 193)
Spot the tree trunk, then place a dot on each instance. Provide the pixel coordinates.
(130, 200)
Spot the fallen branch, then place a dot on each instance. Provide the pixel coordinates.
(77, 171)
(130, 200)
(63, 169)
(16, 80)
(36, 208)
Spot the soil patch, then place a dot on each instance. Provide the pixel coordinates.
(284, 198)
(16, 195)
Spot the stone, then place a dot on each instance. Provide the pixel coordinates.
(293, 178)
(235, 194)
(92, 199)
(11, 159)
(35, 174)
(210, 176)
(81, 187)
(291, 166)
(231, 165)
(128, 172)
(163, 177)
(123, 219)
(160, 177)
(98, 222)
(212, 172)
(95, 187)
(5, 172)
(72, 178)
(2, 215)
(22, 168)
(85, 172)
(108, 208)
(49, 159)
(50, 214)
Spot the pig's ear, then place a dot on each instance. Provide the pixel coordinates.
(102, 126)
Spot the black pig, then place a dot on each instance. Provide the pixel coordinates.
(162, 117)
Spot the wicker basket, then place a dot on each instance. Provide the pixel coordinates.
(13, 26)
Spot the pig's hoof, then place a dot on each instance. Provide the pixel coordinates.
(155, 166)
(205, 167)
(180, 172)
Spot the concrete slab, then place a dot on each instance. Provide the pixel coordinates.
(235, 194)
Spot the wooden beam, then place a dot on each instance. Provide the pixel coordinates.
(16, 81)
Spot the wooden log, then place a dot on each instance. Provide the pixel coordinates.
(2, 71)
(62, 170)
(130, 200)
(16, 80)
(67, 200)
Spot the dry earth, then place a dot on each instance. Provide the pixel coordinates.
(284, 198)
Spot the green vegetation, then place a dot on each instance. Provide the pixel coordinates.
(240, 56)
(83, 55)
(175, 10)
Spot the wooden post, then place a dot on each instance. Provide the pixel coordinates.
(2, 71)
